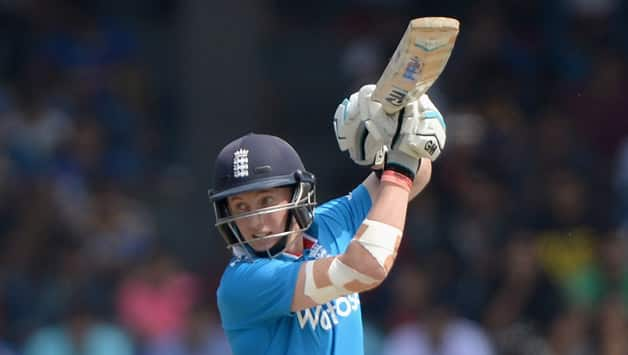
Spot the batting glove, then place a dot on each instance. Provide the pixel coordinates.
(350, 128)
(419, 132)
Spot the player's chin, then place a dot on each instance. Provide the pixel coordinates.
(263, 244)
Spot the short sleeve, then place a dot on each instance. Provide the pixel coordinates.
(253, 292)
(342, 217)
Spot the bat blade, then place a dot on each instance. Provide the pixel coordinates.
(417, 62)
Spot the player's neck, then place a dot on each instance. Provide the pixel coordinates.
(295, 244)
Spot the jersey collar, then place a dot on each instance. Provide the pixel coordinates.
(308, 243)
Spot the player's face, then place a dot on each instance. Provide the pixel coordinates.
(255, 227)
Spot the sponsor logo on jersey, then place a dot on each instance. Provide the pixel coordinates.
(329, 314)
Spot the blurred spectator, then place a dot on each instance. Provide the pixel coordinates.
(570, 335)
(32, 242)
(589, 287)
(78, 163)
(373, 337)
(524, 302)
(480, 216)
(592, 9)
(566, 225)
(473, 228)
(423, 216)
(79, 333)
(612, 326)
(432, 326)
(409, 298)
(602, 97)
(5, 349)
(202, 335)
(84, 47)
(156, 298)
(33, 131)
(7, 196)
(72, 100)
(119, 229)
(559, 132)
(621, 186)
(439, 334)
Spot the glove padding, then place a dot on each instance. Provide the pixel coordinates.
(350, 128)
(365, 130)
(422, 133)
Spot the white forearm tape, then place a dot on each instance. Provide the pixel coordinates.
(380, 239)
(339, 274)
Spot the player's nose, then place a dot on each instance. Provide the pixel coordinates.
(255, 223)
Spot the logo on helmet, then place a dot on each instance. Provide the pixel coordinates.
(241, 163)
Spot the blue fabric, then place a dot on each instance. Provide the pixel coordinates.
(254, 296)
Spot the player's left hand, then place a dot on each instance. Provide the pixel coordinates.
(350, 128)
(422, 134)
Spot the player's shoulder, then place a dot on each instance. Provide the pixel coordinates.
(242, 272)
(345, 206)
(237, 275)
(243, 266)
(335, 205)
(243, 278)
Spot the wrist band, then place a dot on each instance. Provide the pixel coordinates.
(400, 169)
(398, 179)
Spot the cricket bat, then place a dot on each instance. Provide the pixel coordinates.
(417, 62)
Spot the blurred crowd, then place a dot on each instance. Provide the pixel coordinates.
(82, 144)
(517, 247)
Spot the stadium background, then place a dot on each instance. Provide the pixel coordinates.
(111, 113)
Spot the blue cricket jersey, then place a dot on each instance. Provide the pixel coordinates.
(255, 295)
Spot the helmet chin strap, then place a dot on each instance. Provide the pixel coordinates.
(281, 244)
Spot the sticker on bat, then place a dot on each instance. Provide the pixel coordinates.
(413, 67)
(431, 44)
(395, 96)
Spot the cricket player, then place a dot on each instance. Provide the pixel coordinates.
(294, 282)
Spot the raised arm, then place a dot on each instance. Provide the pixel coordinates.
(423, 176)
(368, 259)
(372, 252)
